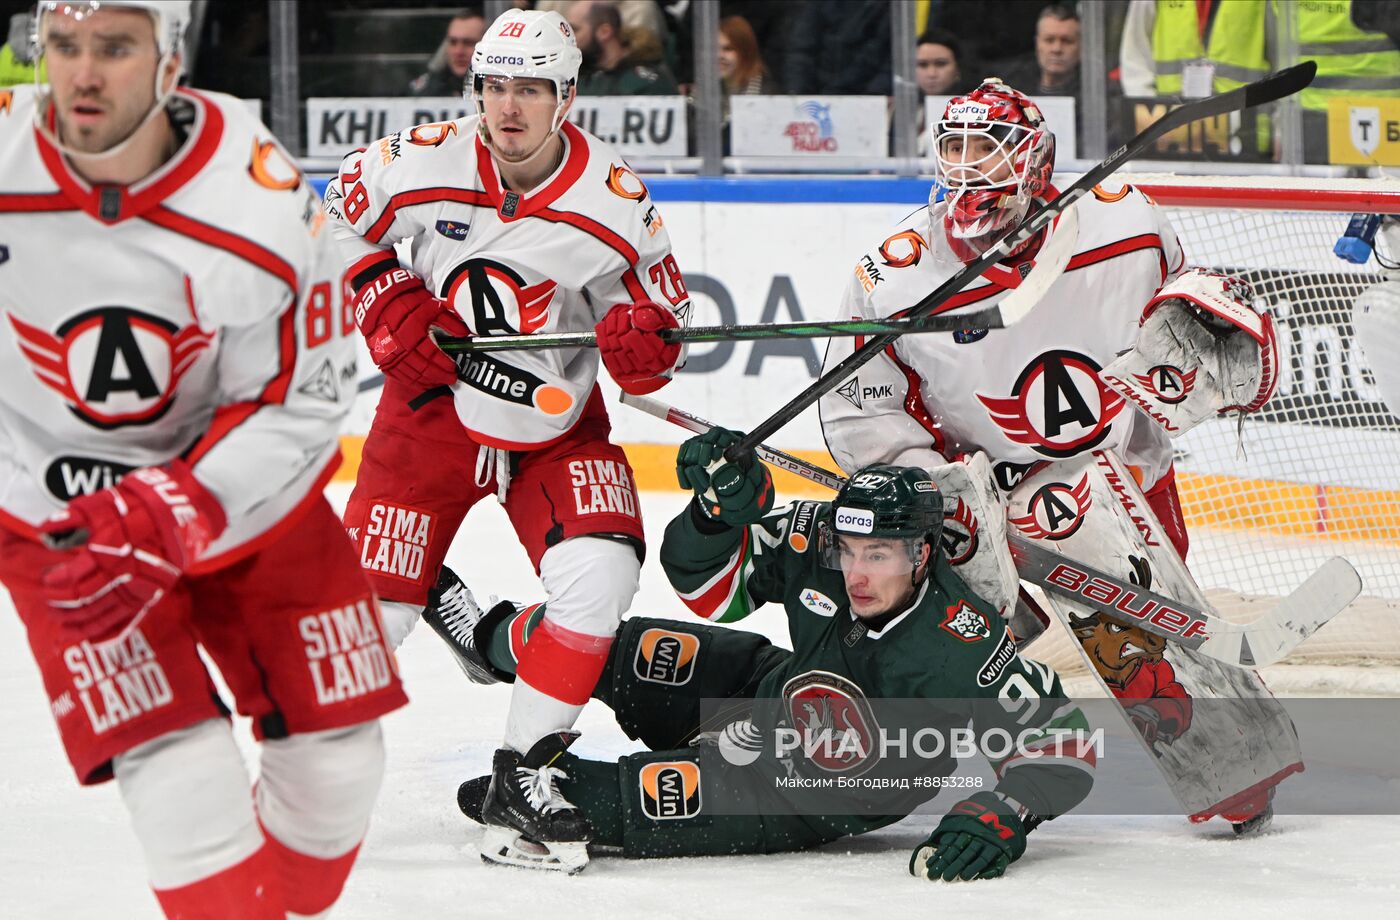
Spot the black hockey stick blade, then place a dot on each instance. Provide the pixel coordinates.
(1273, 87)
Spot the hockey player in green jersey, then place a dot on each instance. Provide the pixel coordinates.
(875, 614)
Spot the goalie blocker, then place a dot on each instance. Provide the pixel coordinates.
(1204, 349)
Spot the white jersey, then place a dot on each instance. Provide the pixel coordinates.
(1026, 394)
(555, 260)
(198, 313)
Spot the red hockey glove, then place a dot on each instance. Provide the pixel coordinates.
(131, 543)
(633, 352)
(397, 315)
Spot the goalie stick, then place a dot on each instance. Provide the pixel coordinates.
(1049, 264)
(1273, 87)
(1247, 645)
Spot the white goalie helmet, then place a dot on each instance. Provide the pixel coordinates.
(171, 19)
(528, 44)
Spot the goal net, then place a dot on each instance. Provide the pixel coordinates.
(1316, 473)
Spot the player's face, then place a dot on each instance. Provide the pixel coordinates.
(102, 70)
(879, 574)
(935, 69)
(519, 114)
(462, 36)
(980, 153)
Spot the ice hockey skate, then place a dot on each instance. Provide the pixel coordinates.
(528, 821)
(453, 613)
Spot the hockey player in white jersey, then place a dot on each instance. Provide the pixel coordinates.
(176, 363)
(1376, 315)
(1122, 327)
(516, 222)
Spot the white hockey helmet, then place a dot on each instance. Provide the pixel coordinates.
(528, 44)
(171, 18)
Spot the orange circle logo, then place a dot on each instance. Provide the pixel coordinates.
(553, 400)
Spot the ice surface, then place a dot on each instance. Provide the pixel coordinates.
(67, 853)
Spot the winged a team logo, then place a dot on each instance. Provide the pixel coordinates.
(1058, 406)
(1055, 511)
(494, 292)
(113, 366)
(1167, 383)
(959, 534)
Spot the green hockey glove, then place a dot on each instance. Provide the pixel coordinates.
(978, 838)
(736, 494)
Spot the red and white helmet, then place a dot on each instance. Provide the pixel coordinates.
(994, 155)
(523, 44)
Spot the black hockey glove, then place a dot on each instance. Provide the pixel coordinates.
(978, 838)
(736, 494)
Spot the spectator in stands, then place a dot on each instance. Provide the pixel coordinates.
(1192, 50)
(994, 32)
(840, 47)
(741, 68)
(1053, 68)
(615, 64)
(16, 63)
(939, 65)
(449, 72)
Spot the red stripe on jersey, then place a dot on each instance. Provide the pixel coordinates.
(275, 532)
(245, 249)
(914, 400)
(594, 229)
(634, 287)
(1112, 250)
(408, 199)
(52, 201)
(530, 205)
(712, 602)
(191, 158)
(229, 417)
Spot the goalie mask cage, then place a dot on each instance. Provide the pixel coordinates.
(1316, 473)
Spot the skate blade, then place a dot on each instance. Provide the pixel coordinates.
(505, 846)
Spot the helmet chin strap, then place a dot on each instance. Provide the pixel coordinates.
(555, 124)
(45, 99)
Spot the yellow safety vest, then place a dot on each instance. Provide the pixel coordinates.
(1350, 62)
(1234, 43)
(12, 72)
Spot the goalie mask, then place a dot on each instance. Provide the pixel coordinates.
(527, 44)
(170, 19)
(994, 157)
(882, 517)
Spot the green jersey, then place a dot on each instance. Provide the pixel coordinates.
(947, 646)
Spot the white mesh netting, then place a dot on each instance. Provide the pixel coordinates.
(1317, 472)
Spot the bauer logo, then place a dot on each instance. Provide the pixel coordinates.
(665, 657)
(670, 790)
(818, 602)
(967, 622)
(855, 520)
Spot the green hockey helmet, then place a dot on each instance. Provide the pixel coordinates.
(901, 503)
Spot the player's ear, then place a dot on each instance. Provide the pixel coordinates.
(170, 74)
(569, 96)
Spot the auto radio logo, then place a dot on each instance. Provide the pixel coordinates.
(812, 131)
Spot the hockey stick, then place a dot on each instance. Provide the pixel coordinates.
(1265, 641)
(1049, 264)
(1273, 87)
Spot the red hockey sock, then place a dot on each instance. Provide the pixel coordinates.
(311, 884)
(563, 663)
(250, 890)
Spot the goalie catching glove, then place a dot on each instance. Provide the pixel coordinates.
(1203, 349)
(131, 543)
